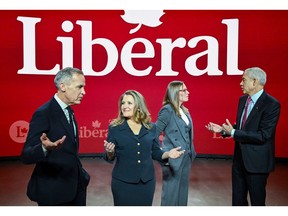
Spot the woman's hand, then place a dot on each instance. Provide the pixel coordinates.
(173, 153)
(109, 147)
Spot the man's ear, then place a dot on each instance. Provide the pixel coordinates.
(62, 87)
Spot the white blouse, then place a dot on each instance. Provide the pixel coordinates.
(184, 117)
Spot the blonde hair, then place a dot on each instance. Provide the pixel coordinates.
(140, 113)
(172, 97)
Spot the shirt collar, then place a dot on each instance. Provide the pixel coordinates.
(60, 102)
(256, 96)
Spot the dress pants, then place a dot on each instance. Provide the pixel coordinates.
(175, 184)
(244, 183)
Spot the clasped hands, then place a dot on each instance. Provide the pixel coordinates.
(225, 128)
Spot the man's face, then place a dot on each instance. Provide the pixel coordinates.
(247, 85)
(74, 91)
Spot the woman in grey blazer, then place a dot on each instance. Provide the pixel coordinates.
(176, 123)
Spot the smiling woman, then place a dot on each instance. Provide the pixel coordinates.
(133, 143)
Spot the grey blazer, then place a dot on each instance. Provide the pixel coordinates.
(176, 133)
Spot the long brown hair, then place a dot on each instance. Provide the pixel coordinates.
(172, 97)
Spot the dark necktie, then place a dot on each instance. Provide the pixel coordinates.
(245, 115)
(71, 118)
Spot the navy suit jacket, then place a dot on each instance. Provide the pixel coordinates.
(134, 154)
(55, 177)
(257, 138)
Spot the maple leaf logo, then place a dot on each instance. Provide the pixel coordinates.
(96, 124)
(149, 18)
(24, 130)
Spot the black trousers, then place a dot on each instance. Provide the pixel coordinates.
(244, 183)
(79, 199)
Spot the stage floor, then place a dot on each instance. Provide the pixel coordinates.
(210, 183)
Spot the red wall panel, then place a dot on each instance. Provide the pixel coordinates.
(260, 39)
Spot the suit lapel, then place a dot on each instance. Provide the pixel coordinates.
(60, 115)
(256, 108)
(125, 127)
(143, 131)
(240, 109)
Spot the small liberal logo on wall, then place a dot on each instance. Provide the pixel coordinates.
(95, 131)
(18, 131)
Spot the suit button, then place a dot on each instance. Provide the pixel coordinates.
(139, 161)
(138, 153)
(138, 144)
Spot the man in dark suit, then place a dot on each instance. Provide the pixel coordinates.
(52, 145)
(254, 135)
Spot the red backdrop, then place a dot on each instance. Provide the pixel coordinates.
(248, 37)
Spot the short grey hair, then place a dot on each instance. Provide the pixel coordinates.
(65, 75)
(257, 73)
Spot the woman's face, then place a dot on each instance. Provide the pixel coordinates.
(127, 106)
(183, 94)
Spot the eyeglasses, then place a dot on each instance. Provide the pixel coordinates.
(183, 90)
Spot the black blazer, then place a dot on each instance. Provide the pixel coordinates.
(134, 154)
(56, 175)
(257, 138)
